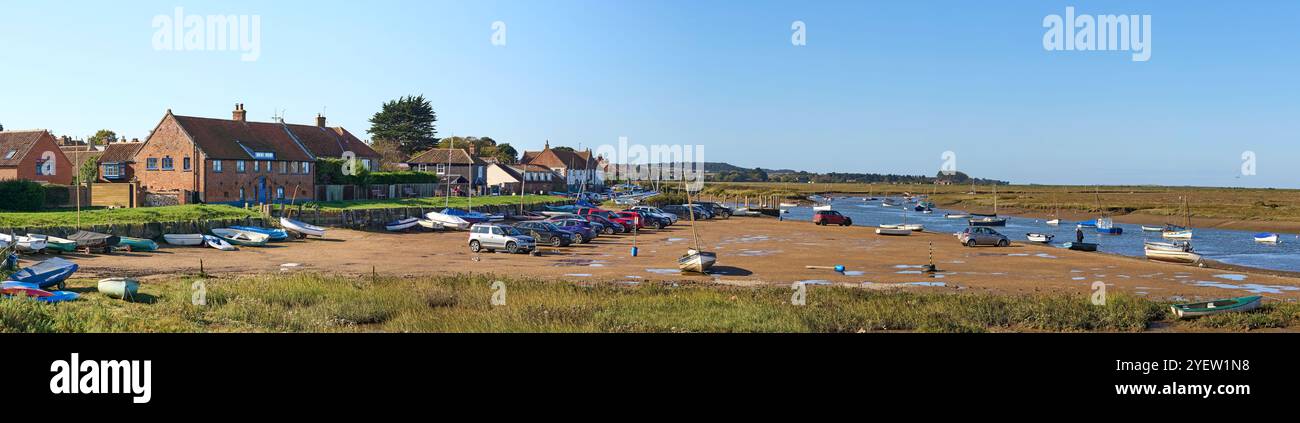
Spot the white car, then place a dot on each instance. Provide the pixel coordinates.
(492, 237)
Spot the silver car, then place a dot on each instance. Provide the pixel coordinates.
(492, 237)
(980, 235)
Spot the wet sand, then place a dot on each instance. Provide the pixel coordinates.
(1139, 218)
(751, 251)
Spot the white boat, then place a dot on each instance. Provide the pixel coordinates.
(888, 226)
(238, 237)
(24, 244)
(1168, 246)
(218, 243)
(301, 228)
(893, 231)
(188, 240)
(789, 205)
(402, 224)
(119, 288)
(1043, 238)
(697, 261)
(824, 207)
(1267, 238)
(1181, 234)
(448, 221)
(956, 216)
(1054, 222)
(1146, 228)
(914, 227)
(1179, 257)
(429, 224)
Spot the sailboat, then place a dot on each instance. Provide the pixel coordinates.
(990, 220)
(1056, 215)
(1180, 232)
(695, 260)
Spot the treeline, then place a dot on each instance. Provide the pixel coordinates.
(758, 175)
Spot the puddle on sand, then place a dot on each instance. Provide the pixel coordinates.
(1076, 271)
(908, 266)
(1044, 255)
(1232, 277)
(633, 277)
(932, 284)
(578, 275)
(854, 273)
(1253, 288)
(908, 272)
(664, 271)
(676, 239)
(579, 263)
(1018, 255)
(1078, 278)
(756, 253)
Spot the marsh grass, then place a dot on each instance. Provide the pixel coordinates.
(307, 302)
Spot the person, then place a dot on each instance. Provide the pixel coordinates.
(1078, 234)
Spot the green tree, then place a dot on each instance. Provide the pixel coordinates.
(102, 137)
(409, 121)
(562, 148)
(2, 127)
(89, 171)
(506, 154)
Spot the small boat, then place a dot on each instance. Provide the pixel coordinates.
(1146, 228)
(119, 288)
(956, 216)
(1228, 305)
(25, 244)
(137, 244)
(1043, 238)
(187, 240)
(218, 243)
(1179, 257)
(1081, 246)
(56, 243)
(275, 234)
(468, 216)
(402, 224)
(1106, 226)
(789, 205)
(429, 224)
(94, 240)
(301, 228)
(697, 261)
(914, 227)
(18, 289)
(988, 221)
(1167, 246)
(47, 273)
(888, 202)
(1088, 224)
(824, 207)
(1054, 222)
(244, 238)
(1267, 238)
(893, 231)
(448, 221)
(1180, 234)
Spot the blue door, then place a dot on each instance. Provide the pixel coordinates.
(261, 190)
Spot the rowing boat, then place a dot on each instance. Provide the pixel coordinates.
(956, 216)
(188, 240)
(119, 288)
(1054, 222)
(245, 238)
(56, 243)
(26, 244)
(1146, 228)
(893, 231)
(697, 261)
(1167, 246)
(1081, 246)
(138, 244)
(1267, 238)
(1043, 238)
(275, 234)
(1177, 257)
(402, 224)
(218, 243)
(301, 228)
(1228, 305)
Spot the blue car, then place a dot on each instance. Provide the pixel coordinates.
(586, 230)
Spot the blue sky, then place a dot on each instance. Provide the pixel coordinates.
(879, 87)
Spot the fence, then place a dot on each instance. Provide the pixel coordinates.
(371, 192)
(113, 195)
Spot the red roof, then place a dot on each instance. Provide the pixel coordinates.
(455, 156)
(224, 139)
(120, 152)
(18, 143)
(330, 142)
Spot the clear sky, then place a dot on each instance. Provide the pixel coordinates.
(880, 86)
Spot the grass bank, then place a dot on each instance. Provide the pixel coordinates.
(462, 303)
(436, 202)
(123, 216)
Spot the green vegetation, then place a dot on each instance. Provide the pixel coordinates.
(435, 202)
(184, 213)
(21, 194)
(462, 303)
(330, 172)
(408, 121)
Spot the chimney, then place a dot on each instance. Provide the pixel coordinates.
(320, 120)
(240, 114)
(472, 150)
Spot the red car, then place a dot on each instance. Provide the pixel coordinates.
(831, 217)
(627, 222)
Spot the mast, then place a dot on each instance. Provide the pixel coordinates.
(447, 170)
(690, 207)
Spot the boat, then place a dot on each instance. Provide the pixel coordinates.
(218, 243)
(25, 244)
(696, 259)
(301, 228)
(187, 240)
(1183, 234)
(137, 244)
(468, 216)
(1043, 238)
(888, 202)
(789, 205)
(56, 243)
(988, 221)
(914, 227)
(94, 240)
(1267, 238)
(893, 231)
(956, 216)
(429, 224)
(1106, 226)
(119, 288)
(1180, 232)
(244, 238)
(402, 224)
(1081, 246)
(275, 234)
(1168, 246)
(47, 273)
(1088, 224)
(1179, 257)
(448, 221)
(18, 289)
(1053, 222)
(1146, 228)
(824, 207)
(1228, 305)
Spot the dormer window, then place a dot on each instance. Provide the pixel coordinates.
(10, 154)
(264, 155)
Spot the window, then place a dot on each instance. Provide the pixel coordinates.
(167, 163)
(239, 167)
(306, 167)
(279, 193)
(185, 164)
(440, 169)
(284, 167)
(112, 170)
(10, 154)
(257, 166)
(151, 163)
(241, 193)
(264, 155)
(216, 166)
(365, 164)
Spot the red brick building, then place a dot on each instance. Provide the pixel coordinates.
(34, 155)
(226, 160)
(117, 163)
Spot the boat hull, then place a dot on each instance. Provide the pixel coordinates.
(218, 243)
(1230, 305)
(994, 222)
(1177, 234)
(1177, 257)
(699, 262)
(275, 234)
(46, 273)
(893, 231)
(138, 244)
(403, 224)
(119, 288)
(1267, 238)
(301, 228)
(448, 221)
(242, 238)
(25, 244)
(1081, 246)
(186, 240)
(1043, 238)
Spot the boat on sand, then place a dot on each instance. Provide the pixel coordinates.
(1228, 305)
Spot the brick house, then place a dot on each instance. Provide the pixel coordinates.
(577, 168)
(231, 161)
(457, 167)
(34, 155)
(117, 163)
(505, 179)
(334, 143)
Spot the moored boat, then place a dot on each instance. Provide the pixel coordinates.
(988, 221)
(1267, 238)
(1146, 228)
(1053, 222)
(1106, 226)
(956, 216)
(301, 228)
(1179, 234)
(1178, 257)
(275, 233)
(823, 207)
(137, 244)
(1043, 238)
(218, 243)
(188, 240)
(402, 224)
(1167, 246)
(893, 231)
(1081, 246)
(697, 261)
(244, 238)
(1227, 305)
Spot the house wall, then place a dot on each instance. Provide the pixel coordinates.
(45, 147)
(223, 186)
(167, 141)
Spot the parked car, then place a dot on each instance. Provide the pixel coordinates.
(492, 237)
(831, 217)
(627, 222)
(645, 219)
(980, 235)
(672, 218)
(609, 227)
(717, 210)
(547, 233)
(685, 211)
(585, 230)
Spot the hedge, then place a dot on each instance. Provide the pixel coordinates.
(330, 172)
(21, 195)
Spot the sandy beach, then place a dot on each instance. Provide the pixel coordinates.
(751, 251)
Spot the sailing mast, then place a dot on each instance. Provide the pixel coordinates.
(690, 207)
(447, 171)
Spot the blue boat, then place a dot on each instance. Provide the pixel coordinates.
(468, 216)
(1106, 226)
(1088, 224)
(275, 234)
(46, 273)
(10, 289)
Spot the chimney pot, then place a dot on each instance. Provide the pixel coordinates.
(239, 114)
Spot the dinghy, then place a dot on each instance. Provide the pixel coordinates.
(24, 244)
(1106, 226)
(468, 216)
(47, 273)
(94, 240)
(893, 231)
(15, 289)
(956, 216)
(244, 238)
(56, 243)
(119, 288)
(1167, 246)
(301, 228)
(1267, 238)
(429, 224)
(448, 221)
(1146, 228)
(988, 221)
(1043, 238)
(1054, 222)
(824, 207)
(1180, 234)
(218, 243)
(1228, 305)
(137, 244)
(275, 234)
(1088, 224)
(1178, 257)
(1081, 246)
(914, 227)
(185, 240)
(697, 261)
(402, 224)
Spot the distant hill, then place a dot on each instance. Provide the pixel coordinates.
(727, 172)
